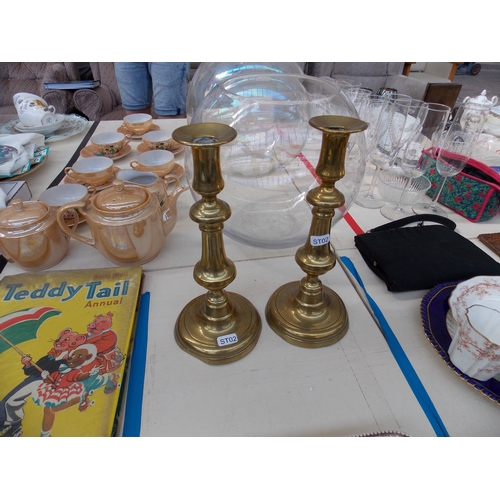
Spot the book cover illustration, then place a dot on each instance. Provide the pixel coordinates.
(64, 340)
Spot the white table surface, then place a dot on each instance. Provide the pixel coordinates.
(350, 388)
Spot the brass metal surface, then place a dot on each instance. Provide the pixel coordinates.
(306, 313)
(218, 327)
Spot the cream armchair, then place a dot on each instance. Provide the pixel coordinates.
(432, 72)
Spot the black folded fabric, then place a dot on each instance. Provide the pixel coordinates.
(420, 257)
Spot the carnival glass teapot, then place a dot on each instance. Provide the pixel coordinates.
(127, 223)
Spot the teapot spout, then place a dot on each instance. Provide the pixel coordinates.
(170, 206)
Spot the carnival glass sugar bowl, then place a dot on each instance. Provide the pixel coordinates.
(270, 166)
(30, 236)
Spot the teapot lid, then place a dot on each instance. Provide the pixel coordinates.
(121, 197)
(20, 214)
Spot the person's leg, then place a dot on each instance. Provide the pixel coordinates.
(14, 404)
(170, 82)
(134, 82)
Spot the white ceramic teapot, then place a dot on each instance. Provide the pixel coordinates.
(482, 99)
(33, 111)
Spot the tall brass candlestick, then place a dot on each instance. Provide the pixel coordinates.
(218, 327)
(306, 313)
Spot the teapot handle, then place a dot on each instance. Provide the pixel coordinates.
(70, 231)
(494, 100)
(178, 189)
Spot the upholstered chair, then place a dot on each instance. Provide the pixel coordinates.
(103, 102)
(29, 77)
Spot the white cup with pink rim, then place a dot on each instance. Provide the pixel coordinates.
(475, 348)
(484, 290)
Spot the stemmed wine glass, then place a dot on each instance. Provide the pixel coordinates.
(357, 96)
(411, 161)
(386, 138)
(454, 149)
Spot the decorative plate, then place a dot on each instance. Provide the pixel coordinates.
(41, 129)
(433, 309)
(73, 124)
(7, 153)
(91, 150)
(40, 156)
(175, 148)
(124, 130)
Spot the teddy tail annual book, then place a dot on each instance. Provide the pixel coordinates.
(65, 338)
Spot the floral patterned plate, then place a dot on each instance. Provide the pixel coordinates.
(40, 156)
(433, 310)
(73, 124)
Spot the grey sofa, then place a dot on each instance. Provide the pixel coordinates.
(372, 75)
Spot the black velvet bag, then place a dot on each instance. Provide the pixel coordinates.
(422, 256)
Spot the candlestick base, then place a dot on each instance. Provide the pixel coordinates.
(319, 324)
(218, 331)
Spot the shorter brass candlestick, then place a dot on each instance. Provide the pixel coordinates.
(306, 313)
(218, 327)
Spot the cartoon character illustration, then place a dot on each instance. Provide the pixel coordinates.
(12, 405)
(100, 333)
(67, 388)
(109, 357)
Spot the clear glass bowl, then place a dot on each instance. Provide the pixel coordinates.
(400, 192)
(269, 168)
(209, 74)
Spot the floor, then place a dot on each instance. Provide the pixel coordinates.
(487, 79)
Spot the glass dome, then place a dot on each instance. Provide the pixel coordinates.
(209, 74)
(269, 168)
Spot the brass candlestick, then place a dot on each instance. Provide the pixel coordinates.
(306, 313)
(218, 327)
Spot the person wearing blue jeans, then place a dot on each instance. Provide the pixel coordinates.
(161, 83)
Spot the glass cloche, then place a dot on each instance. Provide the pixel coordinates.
(269, 168)
(209, 74)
